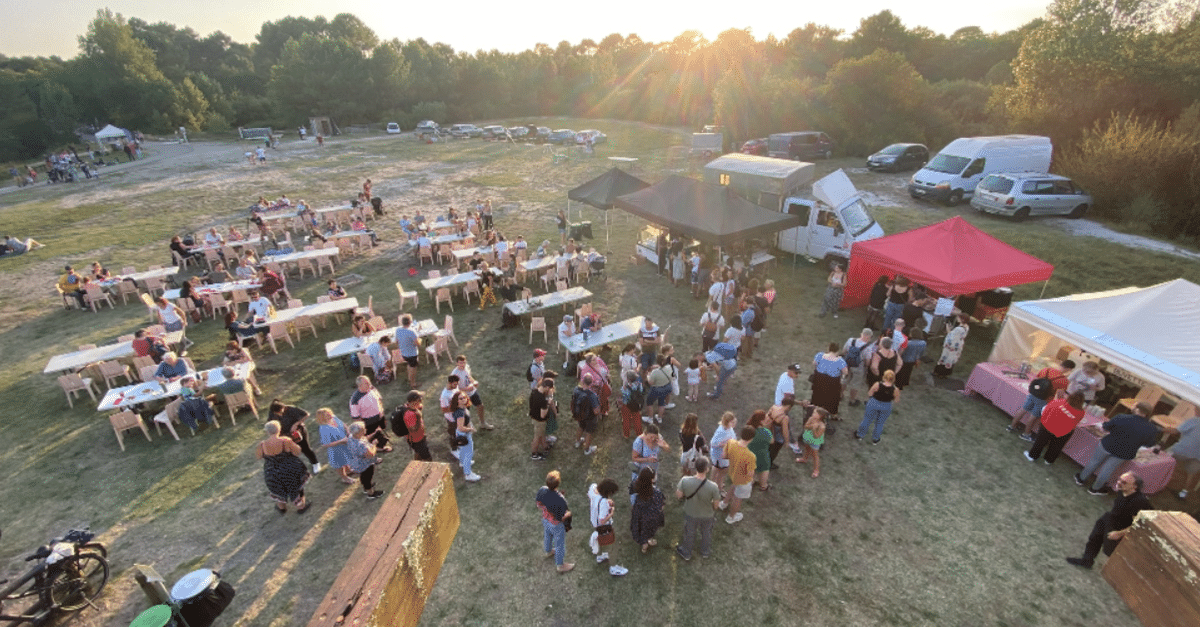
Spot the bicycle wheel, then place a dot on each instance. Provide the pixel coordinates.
(77, 580)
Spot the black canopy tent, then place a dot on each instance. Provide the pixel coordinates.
(709, 213)
(602, 191)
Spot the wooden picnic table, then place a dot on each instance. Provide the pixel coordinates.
(70, 362)
(547, 301)
(352, 345)
(217, 288)
(610, 333)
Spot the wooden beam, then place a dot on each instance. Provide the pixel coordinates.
(392, 570)
(1156, 569)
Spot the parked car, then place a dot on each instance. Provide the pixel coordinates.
(519, 133)
(952, 175)
(898, 157)
(561, 136)
(393, 128)
(1030, 194)
(493, 131)
(755, 147)
(427, 127)
(465, 130)
(597, 137)
(800, 145)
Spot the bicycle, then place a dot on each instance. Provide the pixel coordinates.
(69, 575)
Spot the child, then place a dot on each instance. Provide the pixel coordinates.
(693, 379)
(813, 437)
(699, 359)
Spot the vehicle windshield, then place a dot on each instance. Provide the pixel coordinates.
(996, 184)
(855, 218)
(948, 164)
(894, 149)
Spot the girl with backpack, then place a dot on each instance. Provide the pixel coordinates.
(633, 398)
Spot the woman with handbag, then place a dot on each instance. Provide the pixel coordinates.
(647, 515)
(602, 510)
(463, 430)
(692, 444)
(593, 365)
(291, 422)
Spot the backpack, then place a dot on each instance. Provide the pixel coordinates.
(758, 322)
(529, 373)
(399, 427)
(637, 398)
(578, 410)
(853, 354)
(710, 325)
(868, 352)
(1041, 388)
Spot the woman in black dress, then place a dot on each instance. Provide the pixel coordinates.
(283, 470)
(291, 424)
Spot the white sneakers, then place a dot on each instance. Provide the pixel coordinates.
(1183, 494)
(591, 449)
(601, 558)
(734, 518)
(722, 505)
(473, 477)
(616, 570)
(316, 468)
(647, 419)
(669, 406)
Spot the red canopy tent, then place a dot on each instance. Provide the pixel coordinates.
(950, 258)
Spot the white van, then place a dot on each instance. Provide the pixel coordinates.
(953, 174)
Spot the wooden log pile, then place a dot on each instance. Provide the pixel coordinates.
(391, 572)
(1156, 569)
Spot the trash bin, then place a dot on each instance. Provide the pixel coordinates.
(201, 596)
(581, 230)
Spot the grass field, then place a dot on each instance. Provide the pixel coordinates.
(943, 523)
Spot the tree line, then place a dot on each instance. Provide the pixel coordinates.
(1115, 84)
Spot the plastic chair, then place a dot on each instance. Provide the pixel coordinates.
(211, 257)
(95, 295)
(112, 370)
(538, 324)
(146, 373)
(302, 323)
(127, 270)
(143, 362)
(548, 279)
(471, 287)
(125, 421)
(377, 323)
(423, 253)
(447, 329)
(154, 284)
(369, 310)
(560, 285)
(440, 345)
(305, 264)
(71, 385)
(239, 400)
(443, 295)
(86, 347)
(180, 260)
(279, 331)
(125, 289)
(323, 262)
(294, 303)
(219, 303)
(404, 296)
(238, 297)
(435, 274)
(169, 417)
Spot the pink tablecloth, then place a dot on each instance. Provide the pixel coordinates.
(1154, 469)
(1007, 392)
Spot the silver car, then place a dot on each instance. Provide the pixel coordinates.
(1030, 194)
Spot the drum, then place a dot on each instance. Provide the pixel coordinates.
(201, 596)
(157, 616)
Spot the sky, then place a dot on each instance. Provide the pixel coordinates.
(52, 27)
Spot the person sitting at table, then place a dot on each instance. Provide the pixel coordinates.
(183, 251)
(99, 273)
(381, 359)
(590, 323)
(406, 225)
(71, 284)
(520, 245)
(475, 260)
(218, 274)
(259, 308)
(172, 368)
(273, 285)
(359, 326)
(245, 267)
(235, 354)
(418, 219)
(200, 302)
(500, 246)
(231, 384)
(357, 224)
(423, 240)
(194, 408)
(213, 238)
(148, 346)
(336, 292)
(567, 328)
(543, 249)
(238, 329)
(282, 202)
(234, 234)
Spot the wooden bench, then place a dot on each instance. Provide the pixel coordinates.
(391, 572)
(1155, 569)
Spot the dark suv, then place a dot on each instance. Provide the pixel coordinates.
(800, 145)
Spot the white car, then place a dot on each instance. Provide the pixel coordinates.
(1030, 194)
(393, 128)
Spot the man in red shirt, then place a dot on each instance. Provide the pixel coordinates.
(1059, 419)
(272, 283)
(1034, 405)
(414, 423)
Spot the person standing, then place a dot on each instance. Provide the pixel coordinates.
(409, 346)
(283, 471)
(885, 357)
(910, 356)
(830, 369)
(537, 369)
(1187, 454)
(173, 319)
(1123, 435)
(633, 398)
(464, 434)
(651, 339)
(1088, 380)
(855, 352)
(882, 395)
(723, 358)
(952, 349)
(760, 445)
(741, 472)
(335, 438)
(701, 498)
(447, 395)
(601, 509)
(409, 415)
(1059, 419)
(725, 431)
(541, 406)
(1046, 384)
(585, 409)
(835, 287)
(366, 404)
(897, 296)
(1115, 524)
(710, 326)
(470, 386)
(647, 515)
(553, 507)
(291, 424)
(362, 459)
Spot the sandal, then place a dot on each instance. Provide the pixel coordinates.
(801, 460)
(815, 473)
(764, 489)
(652, 542)
(304, 508)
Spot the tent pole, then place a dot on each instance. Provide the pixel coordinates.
(606, 233)
(1043, 294)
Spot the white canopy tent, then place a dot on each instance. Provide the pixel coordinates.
(1149, 332)
(110, 133)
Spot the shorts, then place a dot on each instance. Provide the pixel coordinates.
(411, 361)
(539, 428)
(1034, 405)
(721, 463)
(589, 425)
(173, 326)
(420, 451)
(855, 372)
(658, 395)
(476, 401)
(743, 491)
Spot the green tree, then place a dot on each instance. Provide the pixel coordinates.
(875, 100)
(319, 76)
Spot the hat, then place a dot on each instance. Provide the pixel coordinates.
(537, 352)
(794, 367)
(568, 318)
(415, 395)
